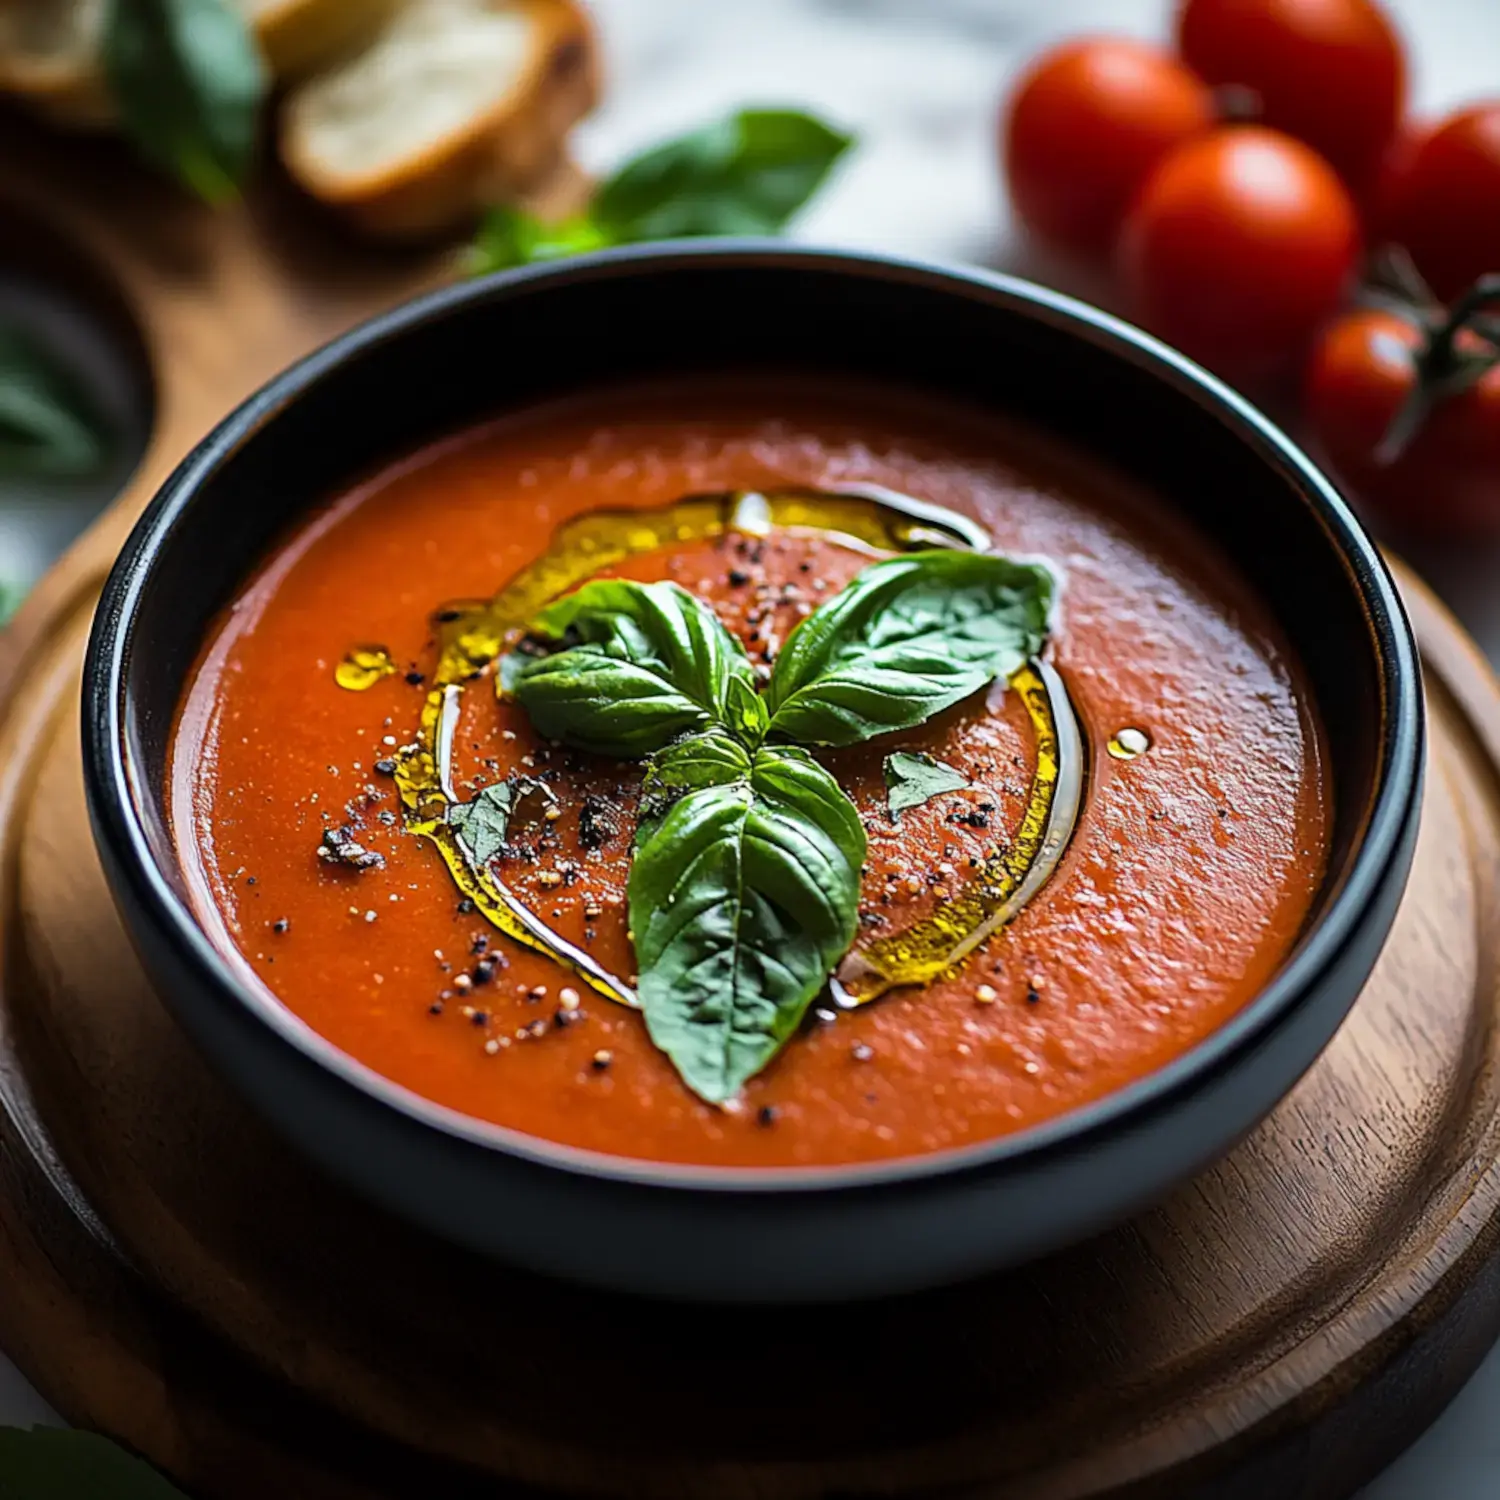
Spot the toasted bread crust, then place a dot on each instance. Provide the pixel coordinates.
(298, 36)
(64, 85)
(501, 153)
(78, 99)
(497, 155)
(295, 35)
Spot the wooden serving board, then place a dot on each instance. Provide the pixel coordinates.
(175, 1276)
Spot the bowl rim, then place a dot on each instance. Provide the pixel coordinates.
(111, 773)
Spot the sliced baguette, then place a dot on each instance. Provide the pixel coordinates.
(453, 105)
(300, 35)
(49, 49)
(49, 56)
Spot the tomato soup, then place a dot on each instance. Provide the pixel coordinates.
(349, 729)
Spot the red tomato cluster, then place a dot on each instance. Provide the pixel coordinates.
(1234, 184)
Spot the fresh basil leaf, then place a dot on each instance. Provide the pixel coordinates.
(747, 174)
(743, 896)
(651, 662)
(54, 1463)
(712, 757)
(912, 779)
(47, 425)
(482, 824)
(745, 711)
(189, 81)
(906, 639)
(512, 237)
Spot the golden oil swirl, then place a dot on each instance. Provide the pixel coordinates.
(474, 634)
(362, 667)
(933, 949)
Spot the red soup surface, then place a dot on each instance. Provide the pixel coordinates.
(1188, 878)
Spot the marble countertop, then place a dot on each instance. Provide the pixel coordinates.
(920, 80)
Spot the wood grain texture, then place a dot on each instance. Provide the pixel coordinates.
(176, 1276)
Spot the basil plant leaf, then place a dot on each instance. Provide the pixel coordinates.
(12, 596)
(512, 237)
(906, 639)
(743, 895)
(747, 174)
(651, 662)
(52, 1463)
(189, 81)
(712, 758)
(914, 779)
(482, 824)
(745, 711)
(47, 425)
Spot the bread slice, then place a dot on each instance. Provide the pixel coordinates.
(300, 35)
(453, 105)
(49, 49)
(49, 55)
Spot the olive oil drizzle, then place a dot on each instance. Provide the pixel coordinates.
(474, 635)
(933, 949)
(362, 667)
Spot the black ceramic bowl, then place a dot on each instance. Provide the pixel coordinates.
(471, 351)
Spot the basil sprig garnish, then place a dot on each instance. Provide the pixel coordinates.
(744, 891)
(189, 81)
(482, 824)
(912, 780)
(650, 664)
(748, 174)
(907, 639)
(743, 896)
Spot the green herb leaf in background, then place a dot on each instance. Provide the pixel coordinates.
(12, 597)
(913, 779)
(908, 638)
(651, 663)
(53, 1463)
(743, 896)
(482, 824)
(48, 427)
(513, 237)
(189, 81)
(748, 175)
(745, 175)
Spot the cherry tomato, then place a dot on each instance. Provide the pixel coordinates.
(1384, 199)
(1330, 72)
(1444, 201)
(1239, 247)
(1447, 480)
(1085, 126)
